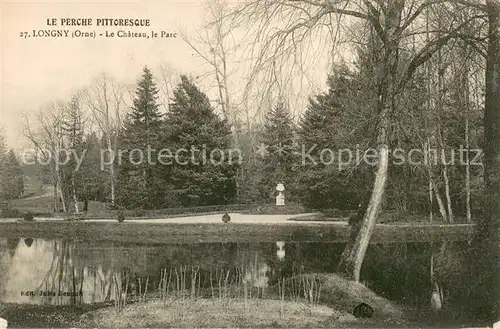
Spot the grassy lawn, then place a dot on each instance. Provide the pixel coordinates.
(333, 299)
(199, 232)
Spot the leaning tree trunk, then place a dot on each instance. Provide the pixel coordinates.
(442, 209)
(492, 122)
(354, 253)
(352, 258)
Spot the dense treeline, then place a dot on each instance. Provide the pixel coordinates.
(398, 126)
(11, 174)
(149, 160)
(152, 159)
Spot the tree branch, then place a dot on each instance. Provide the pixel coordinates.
(430, 49)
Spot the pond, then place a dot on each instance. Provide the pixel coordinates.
(68, 272)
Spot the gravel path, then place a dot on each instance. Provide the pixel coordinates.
(236, 218)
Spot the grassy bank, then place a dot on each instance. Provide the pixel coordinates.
(188, 313)
(44, 316)
(209, 313)
(304, 301)
(232, 232)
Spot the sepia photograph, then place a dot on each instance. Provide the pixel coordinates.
(250, 164)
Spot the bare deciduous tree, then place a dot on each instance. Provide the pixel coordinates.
(167, 80)
(47, 139)
(214, 47)
(106, 101)
(280, 45)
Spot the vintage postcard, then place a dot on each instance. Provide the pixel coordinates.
(250, 164)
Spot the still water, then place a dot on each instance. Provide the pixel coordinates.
(62, 272)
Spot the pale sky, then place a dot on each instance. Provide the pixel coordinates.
(36, 71)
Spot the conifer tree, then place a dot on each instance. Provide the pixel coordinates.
(2, 140)
(250, 171)
(11, 177)
(138, 185)
(92, 178)
(204, 172)
(281, 158)
(328, 124)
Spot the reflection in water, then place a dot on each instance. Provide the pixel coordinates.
(50, 272)
(36, 270)
(256, 274)
(281, 251)
(60, 272)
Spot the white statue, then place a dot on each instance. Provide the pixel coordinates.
(280, 198)
(3, 323)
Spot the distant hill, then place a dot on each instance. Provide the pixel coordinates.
(38, 192)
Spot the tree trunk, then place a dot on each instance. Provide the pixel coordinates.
(442, 209)
(63, 201)
(442, 142)
(58, 189)
(467, 173)
(484, 257)
(430, 201)
(492, 122)
(447, 193)
(489, 224)
(111, 170)
(352, 257)
(433, 190)
(75, 198)
(466, 108)
(56, 196)
(219, 86)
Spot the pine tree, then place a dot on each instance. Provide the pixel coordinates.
(279, 163)
(138, 186)
(3, 152)
(92, 177)
(2, 141)
(250, 173)
(193, 126)
(11, 177)
(328, 124)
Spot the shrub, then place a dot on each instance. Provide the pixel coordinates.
(121, 217)
(79, 216)
(28, 217)
(139, 213)
(5, 213)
